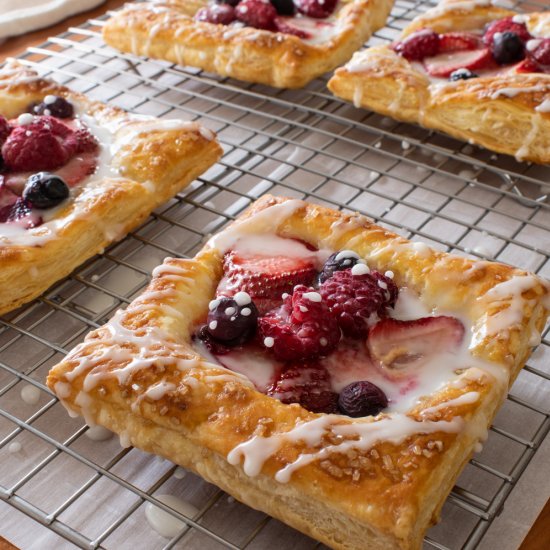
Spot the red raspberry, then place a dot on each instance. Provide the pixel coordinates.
(219, 14)
(541, 54)
(81, 141)
(457, 41)
(307, 384)
(5, 129)
(418, 45)
(355, 298)
(260, 14)
(34, 147)
(503, 25)
(318, 9)
(265, 278)
(302, 328)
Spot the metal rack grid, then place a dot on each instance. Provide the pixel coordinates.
(302, 143)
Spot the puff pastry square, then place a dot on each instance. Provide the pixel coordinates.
(353, 483)
(141, 162)
(167, 30)
(506, 109)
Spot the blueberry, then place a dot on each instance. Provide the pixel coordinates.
(45, 190)
(507, 48)
(284, 7)
(55, 106)
(362, 399)
(338, 261)
(230, 2)
(462, 74)
(229, 323)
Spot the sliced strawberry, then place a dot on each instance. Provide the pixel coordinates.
(7, 196)
(444, 64)
(307, 384)
(265, 278)
(458, 41)
(528, 66)
(399, 344)
(283, 25)
(78, 168)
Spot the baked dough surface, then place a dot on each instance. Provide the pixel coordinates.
(499, 112)
(140, 376)
(167, 30)
(152, 161)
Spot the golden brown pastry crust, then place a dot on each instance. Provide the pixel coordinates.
(479, 110)
(150, 168)
(166, 30)
(382, 497)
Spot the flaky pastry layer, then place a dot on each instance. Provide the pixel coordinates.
(167, 30)
(500, 112)
(141, 377)
(152, 160)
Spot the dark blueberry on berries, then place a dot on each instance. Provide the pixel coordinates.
(231, 3)
(232, 321)
(284, 7)
(338, 261)
(462, 74)
(507, 48)
(55, 106)
(45, 190)
(362, 399)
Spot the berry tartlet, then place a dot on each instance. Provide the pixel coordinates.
(283, 43)
(76, 175)
(473, 70)
(314, 366)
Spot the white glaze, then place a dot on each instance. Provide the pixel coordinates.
(98, 433)
(164, 523)
(30, 394)
(365, 434)
(543, 107)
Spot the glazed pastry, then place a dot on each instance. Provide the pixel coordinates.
(77, 175)
(473, 70)
(283, 43)
(315, 366)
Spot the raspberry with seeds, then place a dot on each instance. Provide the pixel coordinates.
(358, 300)
(302, 328)
(218, 14)
(318, 9)
(418, 45)
(505, 25)
(34, 147)
(257, 13)
(5, 130)
(81, 141)
(307, 384)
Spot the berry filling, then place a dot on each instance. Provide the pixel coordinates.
(325, 331)
(44, 153)
(503, 45)
(302, 18)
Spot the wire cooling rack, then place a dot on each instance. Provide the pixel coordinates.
(59, 488)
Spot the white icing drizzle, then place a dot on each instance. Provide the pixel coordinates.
(98, 433)
(464, 399)
(365, 434)
(513, 92)
(165, 524)
(30, 394)
(512, 291)
(544, 107)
